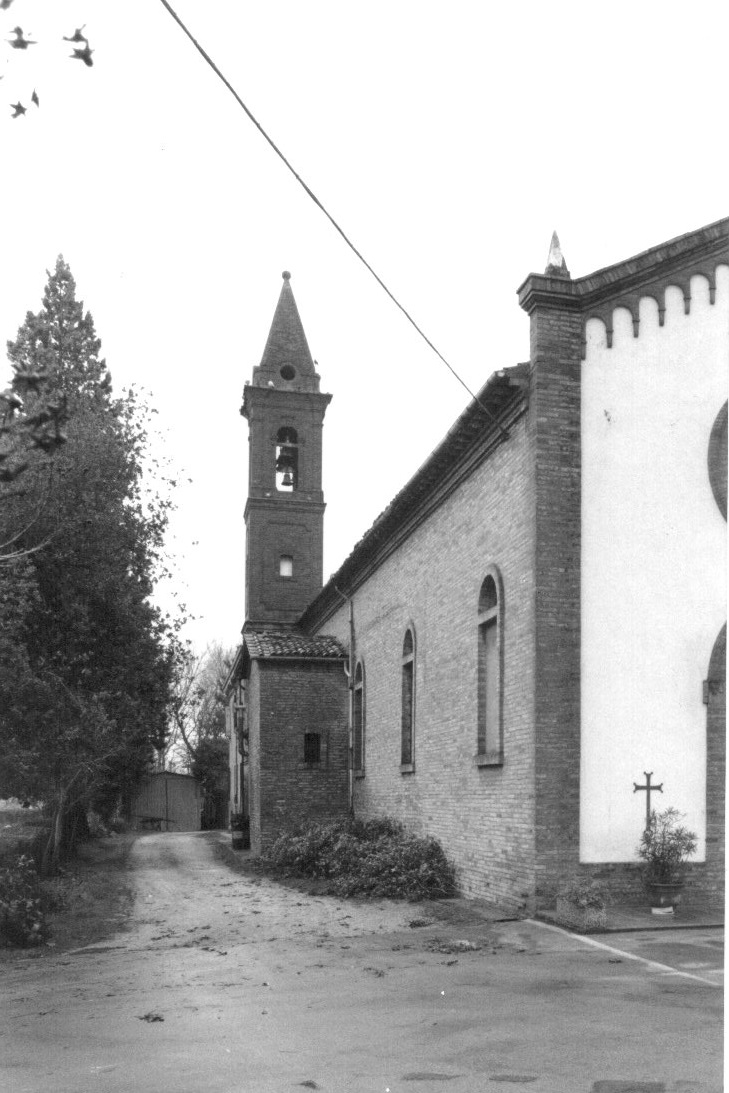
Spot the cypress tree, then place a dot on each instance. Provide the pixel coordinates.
(92, 703)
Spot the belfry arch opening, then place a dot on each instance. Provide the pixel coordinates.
(287, 459)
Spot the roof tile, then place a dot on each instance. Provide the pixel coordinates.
(271, 644)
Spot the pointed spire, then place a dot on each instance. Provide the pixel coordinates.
(286, 362)
(556, 265)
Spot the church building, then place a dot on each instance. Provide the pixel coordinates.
(533, 632)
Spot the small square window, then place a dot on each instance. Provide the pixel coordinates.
(312, 747)
(286, 566)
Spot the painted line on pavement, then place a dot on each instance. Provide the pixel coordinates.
(664, 968)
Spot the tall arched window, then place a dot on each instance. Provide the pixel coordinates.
(407, 721)
(287, 459)
(490, 747)
(358, 720)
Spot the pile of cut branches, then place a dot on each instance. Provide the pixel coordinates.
(372, 859)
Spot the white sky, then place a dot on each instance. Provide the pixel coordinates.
(448, 139)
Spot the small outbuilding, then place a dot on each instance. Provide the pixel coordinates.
(168, 802)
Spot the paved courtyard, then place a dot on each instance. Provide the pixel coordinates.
(235, 984)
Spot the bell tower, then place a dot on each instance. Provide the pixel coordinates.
(285, 509)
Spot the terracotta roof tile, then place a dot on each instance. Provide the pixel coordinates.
(265, 644)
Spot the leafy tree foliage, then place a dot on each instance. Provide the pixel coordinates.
(198, 740)
(86, 660)
(22, 432)
(31, 430)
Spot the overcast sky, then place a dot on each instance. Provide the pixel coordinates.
(448, 139)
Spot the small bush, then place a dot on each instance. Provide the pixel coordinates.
(373, 858)
(584, 894)
(22, 922)
(665, 846)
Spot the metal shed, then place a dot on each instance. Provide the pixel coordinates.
(168, 802)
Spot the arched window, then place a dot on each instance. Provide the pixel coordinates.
(358, 720)
(490, 748)
(287, 459)
(407, 721)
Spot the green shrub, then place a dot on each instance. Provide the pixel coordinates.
(22, 922)
(665, 846)
(584, 894)
(372, 858)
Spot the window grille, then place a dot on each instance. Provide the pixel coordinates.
(312, 747)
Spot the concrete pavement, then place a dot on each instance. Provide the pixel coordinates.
(237, 985)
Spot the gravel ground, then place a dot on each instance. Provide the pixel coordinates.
(226, 981)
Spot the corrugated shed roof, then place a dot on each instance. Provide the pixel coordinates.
(265, 644)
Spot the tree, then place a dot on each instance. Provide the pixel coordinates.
(86, 674)
(22, 432)
(26, 435)
(198, 738)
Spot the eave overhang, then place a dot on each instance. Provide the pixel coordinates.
(471, 440)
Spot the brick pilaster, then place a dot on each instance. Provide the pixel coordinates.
(556, 335)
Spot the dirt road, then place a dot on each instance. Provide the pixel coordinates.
(233, 984)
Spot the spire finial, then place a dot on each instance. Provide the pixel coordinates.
(556, 265)
(286, 275)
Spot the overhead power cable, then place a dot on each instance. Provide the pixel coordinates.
(327, 214)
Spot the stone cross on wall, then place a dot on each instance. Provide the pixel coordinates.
(648, 789)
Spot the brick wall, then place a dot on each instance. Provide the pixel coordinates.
(254, 756)
(274, 528)
(296, 698)
(556, 334)
(483, 816)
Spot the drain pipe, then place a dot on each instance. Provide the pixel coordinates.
(349, 673)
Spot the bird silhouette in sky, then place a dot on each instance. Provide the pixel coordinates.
(18, 109)
(83, 55)
(19, 41)
(77, 36)
(34, 98)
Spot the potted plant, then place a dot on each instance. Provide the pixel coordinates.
(665, 847)
(239, 828)
(581, 904)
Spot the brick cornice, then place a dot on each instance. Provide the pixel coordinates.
(700, 251)
(540, 290)
(697, 251)
(271, 398)
(622, 285)
(282, 504)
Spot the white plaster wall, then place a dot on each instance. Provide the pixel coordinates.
(653, 563)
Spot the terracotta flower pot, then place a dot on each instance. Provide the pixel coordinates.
(665, 897)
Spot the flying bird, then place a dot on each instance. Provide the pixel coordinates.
(34, 98)
(77, 36)
(18, 109)
(19, 42)
(83, 55)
